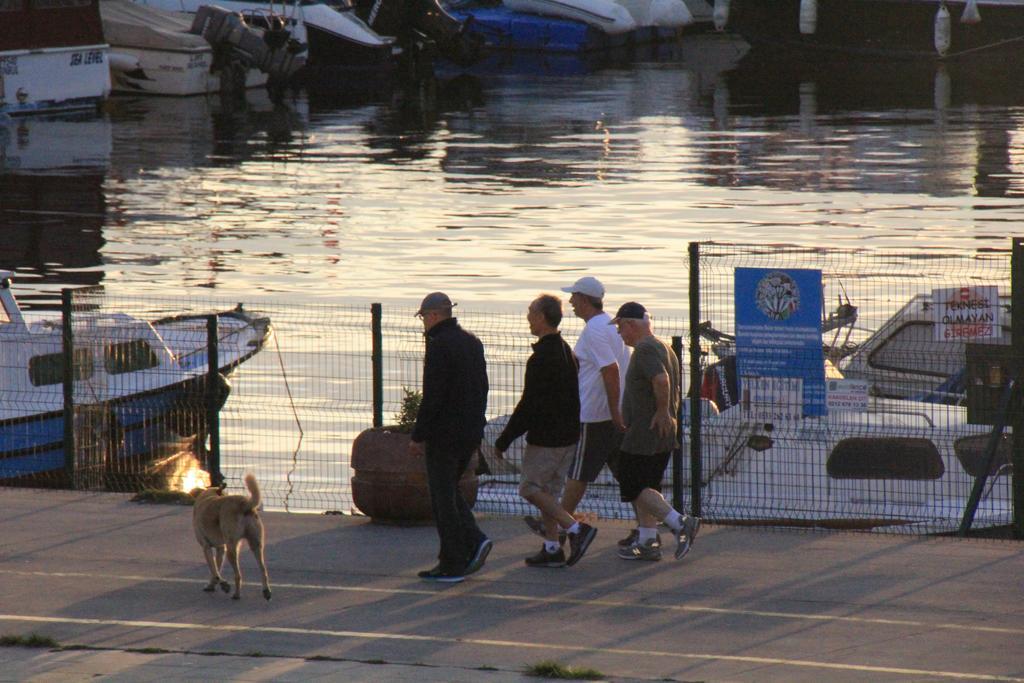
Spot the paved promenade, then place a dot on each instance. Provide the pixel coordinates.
(118, 586)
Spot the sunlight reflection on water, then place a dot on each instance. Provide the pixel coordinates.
(496, 187)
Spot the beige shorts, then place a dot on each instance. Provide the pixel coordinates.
(544, 469)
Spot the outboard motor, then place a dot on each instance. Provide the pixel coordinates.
(454, 39)
(404, 19)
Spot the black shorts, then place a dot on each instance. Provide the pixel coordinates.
(639, 472)
(598, 444)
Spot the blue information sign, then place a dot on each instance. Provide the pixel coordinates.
(779, 358)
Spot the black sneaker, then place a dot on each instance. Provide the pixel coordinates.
(686, 535)
(641, 551)
(483, 548)
(633, 535)
(579, 542)
(537, 527)
(438, 574)
(546, 559)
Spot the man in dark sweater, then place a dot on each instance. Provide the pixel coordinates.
(449, 427)
(549, 414)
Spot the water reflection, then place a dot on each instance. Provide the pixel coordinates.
(870, 127)
(52, 205)
(490, 176)
(189, 132)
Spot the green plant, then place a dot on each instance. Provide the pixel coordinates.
(406, 416)
(32, 640)
(552, 669)
(161, 496)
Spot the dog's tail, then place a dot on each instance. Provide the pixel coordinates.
(254, 491)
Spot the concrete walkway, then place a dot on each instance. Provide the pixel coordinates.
(117, 585)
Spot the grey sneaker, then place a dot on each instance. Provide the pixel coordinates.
(684, 539)
(641, 551)
(633, 535)
(546, 559)
(579, 542)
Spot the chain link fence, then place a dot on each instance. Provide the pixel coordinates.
(911, 432)
(906, 356)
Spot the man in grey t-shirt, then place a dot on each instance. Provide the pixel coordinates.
(650, 403)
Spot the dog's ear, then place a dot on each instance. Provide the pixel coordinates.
(221, 487)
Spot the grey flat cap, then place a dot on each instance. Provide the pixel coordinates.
(435, 301)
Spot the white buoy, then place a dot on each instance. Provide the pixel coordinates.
(942, 30)
(808, 16)
(669, 14)
(971, 14)
(720, 15)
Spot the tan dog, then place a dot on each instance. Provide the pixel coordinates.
(221, 522)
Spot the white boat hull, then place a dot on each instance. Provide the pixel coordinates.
(53, 79)
(165, 72)
(334, 37)
(604, 15)
(672, 14)
(902, 465)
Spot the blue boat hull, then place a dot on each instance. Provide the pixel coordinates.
(115, 441)
(505, 29)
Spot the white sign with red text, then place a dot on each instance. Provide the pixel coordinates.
(966, 313)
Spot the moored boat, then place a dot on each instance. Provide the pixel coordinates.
(138, 392)
(155, 52)
(53, 57)
(573, 26)
(335, 36)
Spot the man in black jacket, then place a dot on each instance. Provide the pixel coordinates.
(549, 414)
(448, 430)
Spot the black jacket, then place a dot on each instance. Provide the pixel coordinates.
(549, 410)
(452, 413)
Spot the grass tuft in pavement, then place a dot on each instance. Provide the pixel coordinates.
(552, 669)
(31, 640)
(162, 496)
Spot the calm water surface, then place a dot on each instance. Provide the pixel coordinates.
(495, 186)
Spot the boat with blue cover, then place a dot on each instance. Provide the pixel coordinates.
(572, 26)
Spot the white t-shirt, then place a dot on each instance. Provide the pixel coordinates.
(598, 347)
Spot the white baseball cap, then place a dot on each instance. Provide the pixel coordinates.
(588, 285)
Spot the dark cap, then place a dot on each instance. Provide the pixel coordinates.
(435, 301)
(630, 310)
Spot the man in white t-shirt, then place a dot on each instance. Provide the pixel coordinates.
(603, 361)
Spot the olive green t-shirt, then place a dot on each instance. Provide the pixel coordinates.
(651, 357)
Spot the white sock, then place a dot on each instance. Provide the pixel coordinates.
(646, 534)
(574, 529)
(551, 546)
(674, 520)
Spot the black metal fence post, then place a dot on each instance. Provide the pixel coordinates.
(378, 365)
(695, 379)
(677, 452)
(213, 398)
(1017, 342)
(68, 348)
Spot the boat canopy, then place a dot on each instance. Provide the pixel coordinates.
(128, 24)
